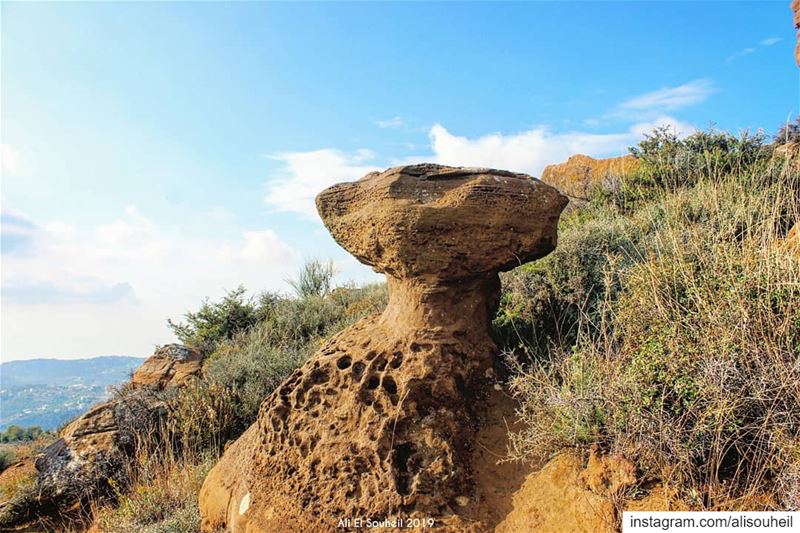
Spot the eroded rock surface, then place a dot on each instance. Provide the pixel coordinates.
(97, 446)
(380, 422)
(580, 174)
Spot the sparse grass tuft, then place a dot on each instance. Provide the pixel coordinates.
(163, 498)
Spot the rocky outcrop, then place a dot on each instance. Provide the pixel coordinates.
(580, 174)
(796, 11)
(380, 422)
(95, 449)
(173, 365)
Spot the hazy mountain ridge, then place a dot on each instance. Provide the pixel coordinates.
(49, 392)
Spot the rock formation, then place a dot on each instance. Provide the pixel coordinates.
(380, 422)
(97, 446)
(796, 11)
(173, 365)
(580, 174)
(569, 495)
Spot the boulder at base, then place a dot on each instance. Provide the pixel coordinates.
(94, 451)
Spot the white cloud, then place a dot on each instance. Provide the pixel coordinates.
(263, 245)
(10, 159)
(393, 122)
(129, 270)
(682, 129)
(750, 49)
(527, 151)
(669, 98)
(305, 174)
(530, 151)
(741, 53)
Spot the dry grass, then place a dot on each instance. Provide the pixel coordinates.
(688, 358)
(162, 496)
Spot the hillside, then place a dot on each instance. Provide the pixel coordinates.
(499, 381)
(49, 392)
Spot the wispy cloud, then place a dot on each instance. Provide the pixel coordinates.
(16, 232)
(113, 285)
(669, 98)
(394, 122)
(751, 49)
(132, 260)
(304, 174)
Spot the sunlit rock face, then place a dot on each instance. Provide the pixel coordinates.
(580, 174)
(380, 422)
(796, 11)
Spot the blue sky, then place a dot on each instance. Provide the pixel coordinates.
(157, 153)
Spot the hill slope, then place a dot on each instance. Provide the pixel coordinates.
(48, 392)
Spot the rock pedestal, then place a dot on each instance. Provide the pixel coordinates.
(379, 423)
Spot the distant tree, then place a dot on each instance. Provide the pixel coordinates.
(16, 433)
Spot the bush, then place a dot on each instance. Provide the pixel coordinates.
(315, 279)
(220, 321)
(788, 133)
(17, 433)
(685, 335)
(669, 163)
(253, 363)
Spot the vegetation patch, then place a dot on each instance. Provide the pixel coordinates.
(665, 326)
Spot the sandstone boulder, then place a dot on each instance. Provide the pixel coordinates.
(95, 450)
(580, 174)
(173, 365)
(380, 422)
(569, 495)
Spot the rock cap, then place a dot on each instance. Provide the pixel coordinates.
(442, 222)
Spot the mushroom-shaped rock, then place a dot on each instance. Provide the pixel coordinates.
(379, 422)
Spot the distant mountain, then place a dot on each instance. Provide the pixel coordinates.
(49, 392)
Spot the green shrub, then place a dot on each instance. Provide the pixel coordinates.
(669, 163)
(254, 362)
(17, 433)
(215, 322)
